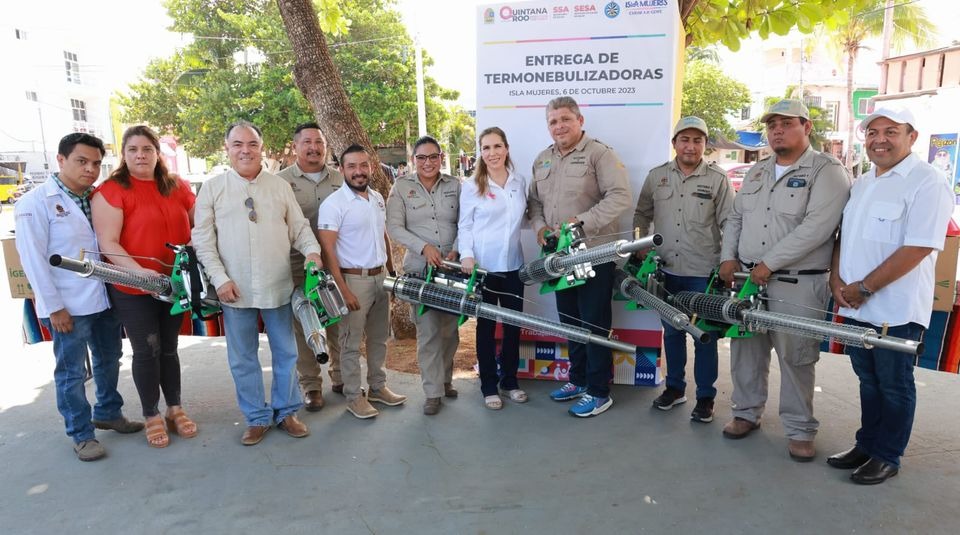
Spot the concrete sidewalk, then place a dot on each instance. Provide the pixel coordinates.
(526, 469)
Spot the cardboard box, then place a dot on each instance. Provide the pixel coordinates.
(19, 286)
(945, 278)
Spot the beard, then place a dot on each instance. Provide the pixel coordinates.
(354, 187)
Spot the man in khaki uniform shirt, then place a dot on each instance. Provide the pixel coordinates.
(688, 200)
(312, 181)
(422, 213)
(784, 221)
(579, 179)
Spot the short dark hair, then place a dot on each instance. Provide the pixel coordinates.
(308, 126)
(425, 140)
(69, 141)
(352, 149)
(247, 124)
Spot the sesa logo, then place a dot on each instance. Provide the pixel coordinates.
(585, 8)
(611, 10)
(488, 16)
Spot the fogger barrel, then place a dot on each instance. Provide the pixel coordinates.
(558, 264)
(313, 331)
(738, 312)
(142, 280)
(457, 301)
(632, 288)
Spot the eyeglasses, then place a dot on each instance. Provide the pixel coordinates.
(253, 213)
(424, 157)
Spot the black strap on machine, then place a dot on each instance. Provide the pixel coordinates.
(196, 283)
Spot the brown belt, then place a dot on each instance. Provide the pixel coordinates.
(362, 271)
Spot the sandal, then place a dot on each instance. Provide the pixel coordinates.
(516, 395)
(181, 424)
(493, 402)
(157, 436)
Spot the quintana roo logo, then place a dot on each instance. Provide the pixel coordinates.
(611, 10)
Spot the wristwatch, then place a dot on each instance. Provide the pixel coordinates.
(863, 290)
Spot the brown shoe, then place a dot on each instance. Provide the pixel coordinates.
(89, 450)
(313, 400)
(337, 389)
(386, 396)
(449, 391)
(431, 406)
(739, 428)
(361, 408)
(254, 434)
(294, 427)
(120, 425)
(802, 451)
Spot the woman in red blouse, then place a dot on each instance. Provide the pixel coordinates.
(136, 212)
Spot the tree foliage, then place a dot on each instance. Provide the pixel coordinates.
(240, 63)
(910, 25)
(730, 21)
(711, 95)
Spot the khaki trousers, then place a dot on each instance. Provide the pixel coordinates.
(372, 320)
(308, 369)
(437, 341)
(797, 356)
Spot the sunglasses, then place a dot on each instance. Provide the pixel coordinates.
(424, 157)
(253, 213)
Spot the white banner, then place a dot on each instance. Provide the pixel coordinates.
(617, 59)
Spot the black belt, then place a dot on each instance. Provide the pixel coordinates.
(801, 272)
(750, 265)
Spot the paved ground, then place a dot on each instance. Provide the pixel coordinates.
(526, 469)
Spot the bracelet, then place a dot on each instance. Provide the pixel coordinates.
(863, 290)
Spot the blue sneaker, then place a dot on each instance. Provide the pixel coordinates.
(590, 406)
(567, 392)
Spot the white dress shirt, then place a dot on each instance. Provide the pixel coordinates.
(489, 226)
(909, 205)
(49, 222)
(360, 224)
(254, 255)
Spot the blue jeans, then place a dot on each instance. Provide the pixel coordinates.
(243, 344)
(675, 345)
(589, 306)
(101, 333)
(888, 395)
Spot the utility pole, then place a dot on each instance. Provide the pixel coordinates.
(421, 100)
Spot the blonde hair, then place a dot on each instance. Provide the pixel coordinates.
(482, 175)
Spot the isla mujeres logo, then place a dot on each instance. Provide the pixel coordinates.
(523, 14)
(488, 16)
(645, 7)
(611, 10)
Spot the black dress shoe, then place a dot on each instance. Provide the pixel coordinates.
(848, 460)
(874, 472)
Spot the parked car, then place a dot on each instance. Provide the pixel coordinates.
(736, 172)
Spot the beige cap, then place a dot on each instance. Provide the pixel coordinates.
(691, 122)
(787, 107)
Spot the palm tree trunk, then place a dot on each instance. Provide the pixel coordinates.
(319, 80)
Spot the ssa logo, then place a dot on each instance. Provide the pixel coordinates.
(611, 10)
(488, 16)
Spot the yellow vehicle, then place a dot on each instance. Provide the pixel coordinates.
(11, 178)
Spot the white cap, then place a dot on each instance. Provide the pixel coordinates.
(897, 114)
